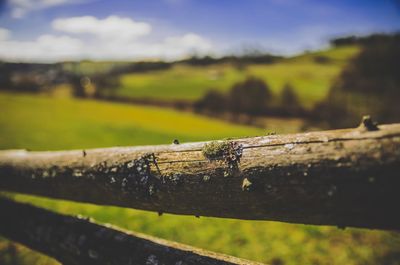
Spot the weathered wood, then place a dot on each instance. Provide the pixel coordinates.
(77, 241)
(345, 177)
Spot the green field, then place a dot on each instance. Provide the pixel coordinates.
(311, 79)
(42, 123)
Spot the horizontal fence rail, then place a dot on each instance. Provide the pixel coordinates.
(347, 177)
(77, 241)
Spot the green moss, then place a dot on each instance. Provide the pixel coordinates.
(215, 149)
(228, 151)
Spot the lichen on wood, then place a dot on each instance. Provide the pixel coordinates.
(341, 177)
(228, 151)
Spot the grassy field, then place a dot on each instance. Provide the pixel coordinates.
(39, 123)
(310, 78)
(42, 123)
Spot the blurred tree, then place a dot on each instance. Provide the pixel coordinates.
(213, 100)
(106, 84)
(288, 97)
(251, 96)
(77, 85)
(289, 100)
(370, 84)
(322, 59)
(5, 77)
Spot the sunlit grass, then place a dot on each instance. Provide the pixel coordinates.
(310, 79)
(339, 55)
(180, 82)
(39, 123)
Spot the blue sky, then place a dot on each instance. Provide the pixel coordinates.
(52, 30)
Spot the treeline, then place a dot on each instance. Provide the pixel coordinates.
(29, 77)
(236, 60)
(374, 39)
(253, 96)
(34, 77)
(370, 84)
(139, 67)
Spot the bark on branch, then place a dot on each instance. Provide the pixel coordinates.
(77, 241)
(343, 177)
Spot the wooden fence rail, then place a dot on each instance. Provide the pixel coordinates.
(76, 241)
(345, 177)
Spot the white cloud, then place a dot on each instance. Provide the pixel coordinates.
(169, 48)
(4, 34)
(19, 8)
(44, 48)
(110, 28)
(190, 41)
(112, 38)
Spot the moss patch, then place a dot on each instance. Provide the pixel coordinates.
(215, 150)
(228, 151)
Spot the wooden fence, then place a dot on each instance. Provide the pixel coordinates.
(342, 177)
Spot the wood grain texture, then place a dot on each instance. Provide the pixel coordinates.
(347, 177)
(77, 241)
